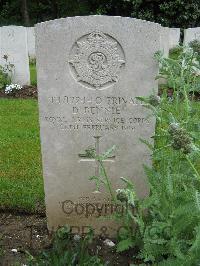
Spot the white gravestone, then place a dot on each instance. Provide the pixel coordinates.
(174, 37)
(13, 45)
(31, 42)
(90, 69)
(191, 34)
(165, 37)
(164, 47)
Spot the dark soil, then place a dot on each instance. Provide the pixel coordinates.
(28, 233)
(27, 92)
(23, 233)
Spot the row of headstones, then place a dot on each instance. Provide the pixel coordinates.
(173, 35)
(18, 43)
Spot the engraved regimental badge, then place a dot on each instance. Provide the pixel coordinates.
(96, 60)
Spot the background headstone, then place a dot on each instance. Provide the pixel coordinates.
(164, 39)
(191, 34)
(174, 37)
(13, 44)
(90, 69)
(164, 46)
(31, 42)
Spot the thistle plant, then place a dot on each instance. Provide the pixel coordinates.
(195, 45)
(182, 75)
(125, 196)
(165, 226)
(167, 222)
(102, 178)
(170, 232)
(65, 251)
(6, 72)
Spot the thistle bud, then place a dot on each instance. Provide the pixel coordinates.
(180, 138)
(121, 195)
(154, 100)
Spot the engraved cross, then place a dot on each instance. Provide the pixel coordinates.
(87, 156)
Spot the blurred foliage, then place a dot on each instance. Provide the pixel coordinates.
(195, 45)
(173, 13)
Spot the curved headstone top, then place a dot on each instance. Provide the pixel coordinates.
(90, 71)
(96, 17)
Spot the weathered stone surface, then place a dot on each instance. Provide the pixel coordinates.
(174, 37)
(191, 34)
(90, 69)
(13, 44)
(31, 42)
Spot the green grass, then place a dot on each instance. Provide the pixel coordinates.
(33, 74)
(21, 183)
